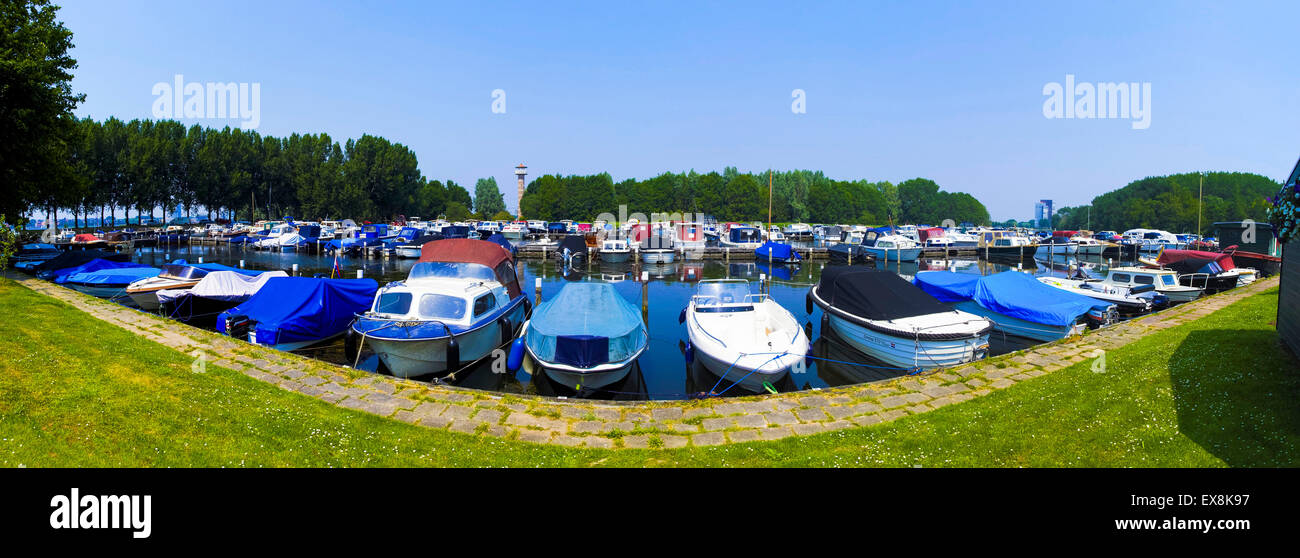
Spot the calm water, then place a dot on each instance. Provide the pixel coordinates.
(663, 373)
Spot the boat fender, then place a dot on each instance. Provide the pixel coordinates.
(516, 359)
(681, 318)
(350, 346)
(808, 302)
(507, 332)
(690, 353)
(1142, 289)
(453, 354)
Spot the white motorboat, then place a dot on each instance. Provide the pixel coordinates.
(742, 337)
(460, 301)
(893, 321)
(741, 237)
(615, 250)
(1164, 280)
(1128, 300)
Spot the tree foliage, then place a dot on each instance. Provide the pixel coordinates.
(1170, 203)
(488, 200)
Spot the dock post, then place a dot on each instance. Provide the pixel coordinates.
(295, 270)
(727, 253)
(361, 273)
(645, 296)
(762, 283)
(537, 291)
(241, 264)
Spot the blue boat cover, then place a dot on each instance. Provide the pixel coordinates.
(779, 252)
(501, 239)
(585, 325)
(1010, 293)
(85, 270)
(296, 309)
(121, 276)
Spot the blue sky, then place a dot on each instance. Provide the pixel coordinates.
(951, 91)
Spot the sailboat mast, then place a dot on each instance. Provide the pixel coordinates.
(1200, 196)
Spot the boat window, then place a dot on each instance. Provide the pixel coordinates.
(442, 306)
(393, 303)
(1122, 277)
(1144, 279)
(424, 270)
(1167, 279)
(483, 304)
(723, 293)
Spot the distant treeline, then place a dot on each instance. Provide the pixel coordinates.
(797, 196)
(1170, 203)
(142, 165)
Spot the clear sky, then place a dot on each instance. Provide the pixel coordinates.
(951, 91)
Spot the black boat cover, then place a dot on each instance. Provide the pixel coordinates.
(576, 246)
(74, 258)
(875, 295)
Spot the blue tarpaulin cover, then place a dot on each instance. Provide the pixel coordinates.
(779, 252)
(295, 309)
(1010, 293)
(503, 241)
(586, 324)
(96, 270)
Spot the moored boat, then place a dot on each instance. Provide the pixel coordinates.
(886, 317)
(459, 302)
(216, 292)
(586, 336)
(742, 337)
(179, 275)
(1018, 305)
(289, 313)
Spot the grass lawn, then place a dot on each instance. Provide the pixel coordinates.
(75, 391)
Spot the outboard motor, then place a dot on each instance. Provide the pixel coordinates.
(238, 326)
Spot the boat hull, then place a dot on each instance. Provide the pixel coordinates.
(658, 256)
(576, 379)
(616, 256)
(893, 254)
(747, 375)
(1008, 325)
(910, 353)
(406, 358)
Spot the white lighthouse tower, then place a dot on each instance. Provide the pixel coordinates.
(521, 171)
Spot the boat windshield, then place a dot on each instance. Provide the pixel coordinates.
(454, 270)
(1168, 280)
(734, 292)
(433, 305)
(393, 303)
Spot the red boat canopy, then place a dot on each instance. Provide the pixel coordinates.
(928, 233)
(467, 250)
(1169, 257)
(85, 238)
(1066, 234)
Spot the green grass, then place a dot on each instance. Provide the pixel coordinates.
(75, 391)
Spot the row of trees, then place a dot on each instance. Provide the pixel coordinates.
(796, 196)
(1170, 203)
(142, 165)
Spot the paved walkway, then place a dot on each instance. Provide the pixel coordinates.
(667, 424)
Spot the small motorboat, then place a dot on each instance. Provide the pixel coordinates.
(615, 250)
(105, 279)
(1164, 280)
(216, 292)
(411, 249)
(29, 256)
(776, 252)
(1017, 305)
(87, 241)
(586, 336)
(1212, 271)
(1127, 300)
(885, 245)
(55, 267)
(741, 237)
(289, 313)
(742, 337)
(176, 275)
(459, 302)
(572, 251)
(893, 321)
